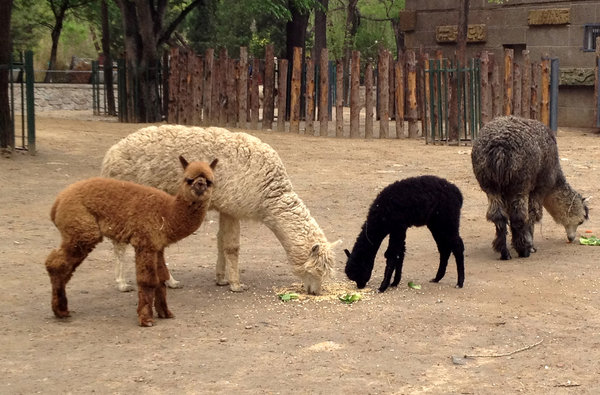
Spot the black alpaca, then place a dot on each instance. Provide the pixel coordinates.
(416, 201)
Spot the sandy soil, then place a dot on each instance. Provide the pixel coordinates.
(530, 325)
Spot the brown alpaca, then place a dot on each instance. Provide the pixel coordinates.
(145, 217)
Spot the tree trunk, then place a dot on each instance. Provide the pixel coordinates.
(398, 35)
(320, 29)
(108, 63)
(296, 31)
(59, 16)
(352, 22)
(142, 61)
(5, 48)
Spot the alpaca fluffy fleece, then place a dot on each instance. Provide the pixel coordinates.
(418, 201)
(145, 217)
(251, 183)
(516, 163)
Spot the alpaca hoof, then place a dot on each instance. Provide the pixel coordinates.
(124, 287)
(238, 287)
(167, 314)
(146, 322)
(458, 286)
(62, 314)
(505, 256)
(222, 282)
(172, 283)
(525, 254)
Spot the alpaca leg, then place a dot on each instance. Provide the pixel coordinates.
(458, 249)
(171, 282)
(119, 250)
(443, 245)
(228, 240)
(522, 239)
(147, 281)
(498, 216)
(60, 264)
(394, 258)
(160, 294)
(536, 210)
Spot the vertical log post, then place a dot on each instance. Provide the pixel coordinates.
(496, 89)
(426, 124)
(198, 89)
(269, 88)
(526, 91)
(339, 98)
(310, 97)
(282, 94)
(486, 105)
(254, 100)
(355, 95)
(545, 87)
(411, 81)
(183, 87)
(222, 97)
(399, 95)
(392, 86)
(295, 90)
(508, 81)
(243, 89)
(209, 59)
(535, 83)
(384, 93)
(232, 97)
(173, 85)
(369, 101)
(517, 84)
(323, 93)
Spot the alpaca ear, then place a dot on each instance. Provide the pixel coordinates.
(587, 199)
(184, 162)
(315, 249)
(214, 163)
(347, 252)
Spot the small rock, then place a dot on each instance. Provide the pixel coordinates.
(458, 360)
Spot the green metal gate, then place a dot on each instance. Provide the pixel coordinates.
(444, 78)
(24, 139)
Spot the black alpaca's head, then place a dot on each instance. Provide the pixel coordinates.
(358, 269)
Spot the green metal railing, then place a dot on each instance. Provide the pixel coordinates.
(444, 77)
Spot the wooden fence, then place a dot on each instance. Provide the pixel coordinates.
(387, 98)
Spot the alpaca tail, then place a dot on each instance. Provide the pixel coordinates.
(499, 165)
(53, 210)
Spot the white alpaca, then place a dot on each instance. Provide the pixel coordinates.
(250, 183)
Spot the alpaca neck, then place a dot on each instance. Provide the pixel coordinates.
(183, 217)
(560, 200)
(368, 242)
(294, 227)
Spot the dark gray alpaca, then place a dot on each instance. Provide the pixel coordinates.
(516, 163)
(417, 201)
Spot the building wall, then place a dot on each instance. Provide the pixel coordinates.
(508, 26)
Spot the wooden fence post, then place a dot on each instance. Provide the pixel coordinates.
(535, 78)
(496, 89)
(486, 105)
(354, 95)
(222, 96)
(399, 96)
(282, 94)
(295, 90)
(426, 124)
(232, 97)
(209, 59)
(339, 98)
(391, 86)
(411, 80)
(254, 101)
(517, 84)
(198, 89)
(310, 97)
(545, 87)
(323, 93)
(183, 87)
(243, 89)
(369, 101)
(269, 88)
(173, 86)
(384, 93)
(526, 91)
(508, 81)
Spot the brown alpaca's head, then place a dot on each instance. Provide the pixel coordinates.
(198, 179)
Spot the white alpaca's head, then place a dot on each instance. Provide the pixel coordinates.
(318, 266)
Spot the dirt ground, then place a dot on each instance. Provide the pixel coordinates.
(530, 325)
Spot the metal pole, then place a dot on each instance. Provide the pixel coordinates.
(30, 102)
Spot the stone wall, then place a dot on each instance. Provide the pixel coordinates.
(51, 97)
